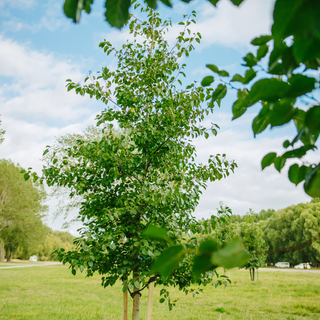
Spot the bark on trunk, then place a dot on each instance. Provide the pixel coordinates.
(136, 300)
(8, 249)
(252, 274)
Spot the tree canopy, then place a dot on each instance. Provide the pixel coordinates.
(293, 234)
(21, 209)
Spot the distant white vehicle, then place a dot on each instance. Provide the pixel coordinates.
(282, 265)
(33, 258)
(303, 266)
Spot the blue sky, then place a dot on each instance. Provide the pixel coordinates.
(40, 48)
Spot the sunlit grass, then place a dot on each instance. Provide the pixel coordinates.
(51, 292)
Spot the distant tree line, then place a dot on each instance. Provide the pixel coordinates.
(290, 235)
(22, 231)
(54, 240)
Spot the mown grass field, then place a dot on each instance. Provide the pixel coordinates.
(51, 292)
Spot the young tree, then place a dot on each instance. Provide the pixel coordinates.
(253, 240)
(21, 209)
(144, 173)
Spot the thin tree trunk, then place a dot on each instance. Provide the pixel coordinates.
(136, 299)
(257, 275)
(252, 274)
(150, 299)
(8, 250)
(125, 305)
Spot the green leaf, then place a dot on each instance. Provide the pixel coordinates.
(73, 8)
(152, 4)
(156, 233)
(26, 176)
(117, 13)
(268, 159)
(168, 260)
(312, 182)
(240, 106)
(279, 163)
(261, 40)
(262, 51)
(162, 300)
(223, 73)
(261, 121)
(231, 256)
(298, 153)
(296, 18)
(207, 81)
(70, 9)
(137, 284)
(124, 289)
(202, 260)
(213, 68)
(286, 144)
(250, 74)
(312, 119)
(167, 3)
(268, 90)
(219, 93)
(306, 48)
(45, 152)
(281, 112)
(236, 2)
(81, 268)
(214, 2)
(206, 134)
(299, 85)
(250, 60)
(297, 174)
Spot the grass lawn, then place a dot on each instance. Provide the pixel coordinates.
(52, 292)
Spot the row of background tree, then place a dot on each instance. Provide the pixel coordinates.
(22, 209)
(290, 234)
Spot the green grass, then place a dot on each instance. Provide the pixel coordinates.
(51, 292)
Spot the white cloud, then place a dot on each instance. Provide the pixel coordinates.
(249, 186)
(232, 26)
(36, 85)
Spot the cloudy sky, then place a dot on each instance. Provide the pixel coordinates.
(40, 48)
